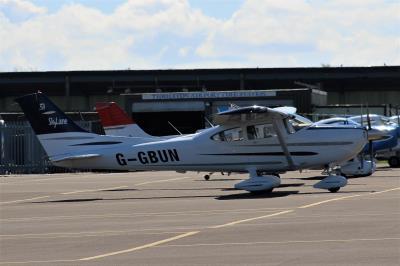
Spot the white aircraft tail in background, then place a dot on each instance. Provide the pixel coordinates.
(117, 122)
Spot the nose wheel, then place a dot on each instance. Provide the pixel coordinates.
(207, 177)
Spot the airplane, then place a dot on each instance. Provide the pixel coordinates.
(117, 122)
(258, 140)
(395, 119)
(385, 138)
(391, 154)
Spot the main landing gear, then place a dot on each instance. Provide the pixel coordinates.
(333, 182)
(258, 183)
(208, 176)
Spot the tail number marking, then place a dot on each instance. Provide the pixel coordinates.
(150, 157)
(158, 156)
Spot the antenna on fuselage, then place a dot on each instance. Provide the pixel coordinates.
(174, 128)
(208, 121)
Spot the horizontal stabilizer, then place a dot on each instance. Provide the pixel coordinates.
(74, 157)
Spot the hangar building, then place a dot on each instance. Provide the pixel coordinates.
(200, 92)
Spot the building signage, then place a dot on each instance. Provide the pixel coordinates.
(207, 95)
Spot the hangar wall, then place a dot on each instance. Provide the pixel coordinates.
(371, 97)
(78, 90)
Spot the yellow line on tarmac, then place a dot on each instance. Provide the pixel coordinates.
(34, 261)
(142, 247)
(282, 242)
(92, 190)
(388, 190)
(161, 181)
(326, 201)
(14, 201)
(250, 219)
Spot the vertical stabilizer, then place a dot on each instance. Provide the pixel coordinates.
(44, 116)
(117, 122)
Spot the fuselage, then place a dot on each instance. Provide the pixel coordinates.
(310, 147)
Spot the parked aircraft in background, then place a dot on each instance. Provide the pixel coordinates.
(258, 140)
(117, 122)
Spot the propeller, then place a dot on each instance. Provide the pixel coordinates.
(362, 125)
(370, 144)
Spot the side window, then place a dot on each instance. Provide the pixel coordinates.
(251, 132)
(260, 131)
(233, 134)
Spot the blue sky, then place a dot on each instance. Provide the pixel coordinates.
(41, 35)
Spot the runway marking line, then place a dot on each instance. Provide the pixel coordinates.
(38, 180)
(141, 247)
(388, 190)
(21, 200)
(139, 214)
(35, 261)
(161, 181)
(92, 190)
(326, 201)
(82, 234)
(250, 219)
(282, 242)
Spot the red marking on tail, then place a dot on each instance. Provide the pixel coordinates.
(112, 115)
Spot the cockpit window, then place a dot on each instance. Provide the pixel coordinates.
(289, 126)
(233, 134)
(292, 125)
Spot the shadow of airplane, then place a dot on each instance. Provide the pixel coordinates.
(260, 195)
(245, 195)
(219, 179)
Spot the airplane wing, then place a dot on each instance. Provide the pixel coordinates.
(286, 109)
(73, 157)
(249, 113)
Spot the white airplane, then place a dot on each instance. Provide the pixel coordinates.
(117, 122)
(257, 140)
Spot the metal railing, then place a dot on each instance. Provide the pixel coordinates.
(21, 151)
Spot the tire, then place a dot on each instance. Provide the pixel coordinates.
(394, 162)
(260, 192)
(334, 190)
(207, 177)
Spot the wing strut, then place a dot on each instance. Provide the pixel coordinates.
(283, 144)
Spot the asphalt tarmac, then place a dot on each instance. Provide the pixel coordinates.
(166, 218)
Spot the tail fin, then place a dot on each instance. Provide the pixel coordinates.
(65, 142)
(58, 134)
(112, 115)
(116, 121)
(44, 116)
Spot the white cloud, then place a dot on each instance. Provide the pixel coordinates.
(20, 10)
(345, 32)
(80, 37)
(170, 34)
